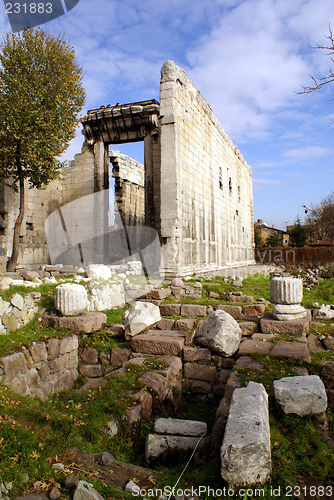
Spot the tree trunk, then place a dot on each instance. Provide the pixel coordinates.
(17, 228)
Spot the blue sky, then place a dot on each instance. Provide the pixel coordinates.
(247, 58)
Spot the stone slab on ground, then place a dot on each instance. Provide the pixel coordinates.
(252, 346)
(87, 323)
(296, 350)
(247, 362)
(297, 326)
(156, 444)
(159, 344)
(180, 427)
(120, 472)
(245, 452)
(301, 395)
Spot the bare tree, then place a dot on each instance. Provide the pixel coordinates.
(327, 78)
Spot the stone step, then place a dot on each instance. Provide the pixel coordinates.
(154, 342)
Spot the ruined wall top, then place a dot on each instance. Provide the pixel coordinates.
(170, 72)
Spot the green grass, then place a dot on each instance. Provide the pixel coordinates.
(34, 433)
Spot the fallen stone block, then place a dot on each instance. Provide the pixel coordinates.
(156, 444)
(301, 395)
(158, 344)
(314, 344)
(140, 317)
(221, 333)
(85, 491)
(180, 427)
(245, 452)
(70, 299)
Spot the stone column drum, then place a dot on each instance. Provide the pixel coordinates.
(286, 295)
(70, 299)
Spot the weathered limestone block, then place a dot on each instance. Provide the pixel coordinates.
(102, 297)
(245, 452)
(12, 365)
(193, 310)
(156, 382)
(305, 395)
(221, 333)
(180, 427)
(53, 348)
(156, 444)
(90, 356)
(17, 301)
(158, 344)
(199, 371)
(139, 317)
(68, 344)
(91, 371)
(38, 352)
(70, 299)
(248, 328)
(286, 294)
(194, 354)
(185, 324)
(59, 364)
(234, 311)
(170, 309)
(73, 359)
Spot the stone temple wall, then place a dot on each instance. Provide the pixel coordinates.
(79, 180)
(207, 202)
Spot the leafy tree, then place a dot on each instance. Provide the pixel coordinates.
(298, 234)
(321, 218)
(41, 96)
(274, 240)
(258, 238)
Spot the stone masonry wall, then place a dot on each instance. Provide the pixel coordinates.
(43, 368)
(129, 188)
(206, 185)
(78, 181)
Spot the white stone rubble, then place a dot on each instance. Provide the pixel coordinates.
(304, 395)
(139, 317)
(221, 333)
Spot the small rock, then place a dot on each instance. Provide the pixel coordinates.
(111, 428)
(54, 494)
(71, 482)
(58, 466)
(105, 459)
(131, 487)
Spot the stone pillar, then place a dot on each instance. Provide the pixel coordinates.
(70, 299)
(286, 294)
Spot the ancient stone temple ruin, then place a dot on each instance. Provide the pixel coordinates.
(194, 189)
